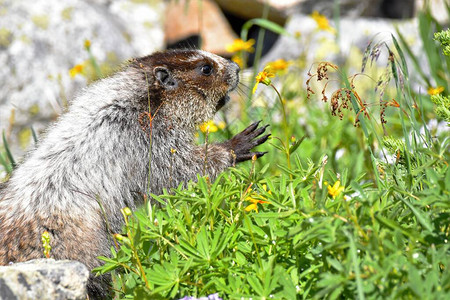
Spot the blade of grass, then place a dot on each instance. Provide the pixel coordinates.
(393, 225)
(8, 151)
(420, 217)
(35, 138)
(355, 260)
(413, 58)
(263, 23)
(5, 164)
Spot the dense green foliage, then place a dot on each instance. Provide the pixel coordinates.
(378, 243)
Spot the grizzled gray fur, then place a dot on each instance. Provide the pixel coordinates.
(99, 152)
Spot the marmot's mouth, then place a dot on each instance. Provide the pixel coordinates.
(224, 100)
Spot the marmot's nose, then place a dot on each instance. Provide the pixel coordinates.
(235, 66)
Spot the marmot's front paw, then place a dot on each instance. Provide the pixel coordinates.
(242, 143)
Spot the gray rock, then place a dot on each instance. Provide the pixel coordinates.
(43, 279)
(41, 40)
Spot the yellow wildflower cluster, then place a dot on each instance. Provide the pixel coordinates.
(279, 65)
(336, 189)
(238, 59)
(78, 69)
(269, 71)
(87, 44)
(210, 126)
(240, 45)
(322, 22)
(264, 78)
(435, 91)
(255, 198)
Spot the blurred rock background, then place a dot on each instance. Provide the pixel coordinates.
(47, 46)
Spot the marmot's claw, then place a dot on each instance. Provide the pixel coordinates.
(262, 140)
(251, 128)
(242, 143)
(259, 131)
(249, 156)
(259, 154)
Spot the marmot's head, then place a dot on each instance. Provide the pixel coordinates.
(187, 86)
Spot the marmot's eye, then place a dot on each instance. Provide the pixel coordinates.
(206, 69)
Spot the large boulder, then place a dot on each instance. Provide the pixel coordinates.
(43, 279)
(202, 20)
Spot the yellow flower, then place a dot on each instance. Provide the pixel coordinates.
(254, 205)
(335, 190)
(256, 198)
(263, 77)
(87, 44)
(78, 69)
(240, 45)
(435, 91)
(322, 21)
(210, 126)
(238, 59)
(278, 65)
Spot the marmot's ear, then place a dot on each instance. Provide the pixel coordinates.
(164, 77)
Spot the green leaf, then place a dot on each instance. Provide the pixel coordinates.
(393, 225)
(255, 284)
(269, 25)
(355, 260)
(423, 219)
(8, 151)
(203, 244)
(296, 144)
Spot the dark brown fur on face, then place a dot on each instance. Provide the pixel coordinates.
(96, 157)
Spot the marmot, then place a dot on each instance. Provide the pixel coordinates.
(99, 152)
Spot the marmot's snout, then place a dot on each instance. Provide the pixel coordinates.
(233, 70)
(232, 80)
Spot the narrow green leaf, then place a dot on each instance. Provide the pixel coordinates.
(256, 285)
(424, 220)
(269, 25)
(296, 145)
(355, 260)
(203, 244)
(393, 225)
(35, 138)
(8, 151)
(5, 164)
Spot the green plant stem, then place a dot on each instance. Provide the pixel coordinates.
(150, 137)
(98, 71)
(285, 122)
(286, 129)
(205, 163)
(8, 151)
(257, 58)
(258, 257)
